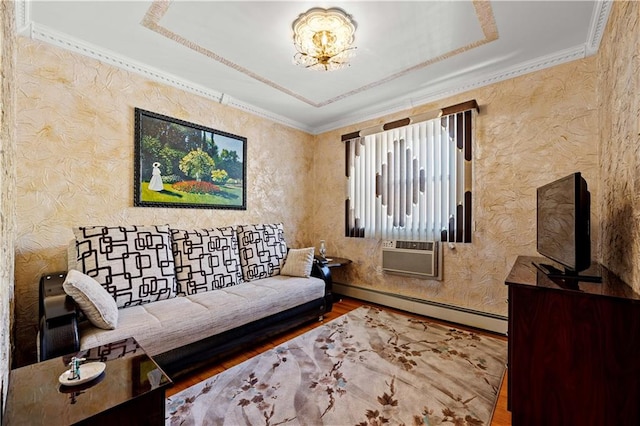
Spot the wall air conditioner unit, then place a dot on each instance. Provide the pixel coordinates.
(414, 258)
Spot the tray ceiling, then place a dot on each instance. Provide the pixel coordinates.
(240, 52)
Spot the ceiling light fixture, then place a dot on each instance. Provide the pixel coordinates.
(323, 39)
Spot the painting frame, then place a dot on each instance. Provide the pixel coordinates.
(180, 164)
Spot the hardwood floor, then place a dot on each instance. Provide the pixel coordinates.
(501, 417)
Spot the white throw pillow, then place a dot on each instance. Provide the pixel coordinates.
(96, 303)
(298, 263)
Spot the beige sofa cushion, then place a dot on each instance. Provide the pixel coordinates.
(168, 324)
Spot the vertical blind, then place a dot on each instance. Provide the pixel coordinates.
(412, 182)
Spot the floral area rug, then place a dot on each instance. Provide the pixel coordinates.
(368, 367)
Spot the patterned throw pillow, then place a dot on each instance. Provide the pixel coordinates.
(262, 250)
(133, 263)
(206, 259)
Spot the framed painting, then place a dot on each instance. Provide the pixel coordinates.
(182, 164)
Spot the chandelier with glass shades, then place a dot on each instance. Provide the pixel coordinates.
(323, 39)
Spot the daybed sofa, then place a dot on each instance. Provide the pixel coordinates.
(187, 296)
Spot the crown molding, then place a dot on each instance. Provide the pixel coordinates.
(45, 34)
(591, 46)
(65, 41)
(598, 23)
(427, 96)
(23, 16)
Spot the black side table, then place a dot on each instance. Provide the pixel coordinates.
(337, 262)
(332, 262)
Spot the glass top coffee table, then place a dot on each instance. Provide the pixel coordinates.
(129, 391)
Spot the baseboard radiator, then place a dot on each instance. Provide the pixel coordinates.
(455, 314)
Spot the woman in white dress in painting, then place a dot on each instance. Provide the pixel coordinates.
(155, 184)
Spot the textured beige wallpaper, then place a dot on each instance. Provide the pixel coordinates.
(75, 167)
(619, 70)
(530, 131)
(75, 159)
(7, 188)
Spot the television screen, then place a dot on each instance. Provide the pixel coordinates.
(563, 222)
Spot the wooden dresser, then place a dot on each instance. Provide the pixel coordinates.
(574, 349)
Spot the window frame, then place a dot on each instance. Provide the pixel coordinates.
(459, 121)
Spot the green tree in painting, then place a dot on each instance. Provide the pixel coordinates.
(151, 148)
(197, 164)
(168, 158)
(229, 162)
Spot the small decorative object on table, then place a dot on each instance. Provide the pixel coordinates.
(323, 249)
(80, 374)
(75, 367)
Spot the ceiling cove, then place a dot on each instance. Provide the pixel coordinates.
(339, 104)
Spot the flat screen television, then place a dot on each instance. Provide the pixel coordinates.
(564, 227)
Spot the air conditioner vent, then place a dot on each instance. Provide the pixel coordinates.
(421, 259)
(415, 245)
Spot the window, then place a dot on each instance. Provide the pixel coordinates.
(412, 182)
